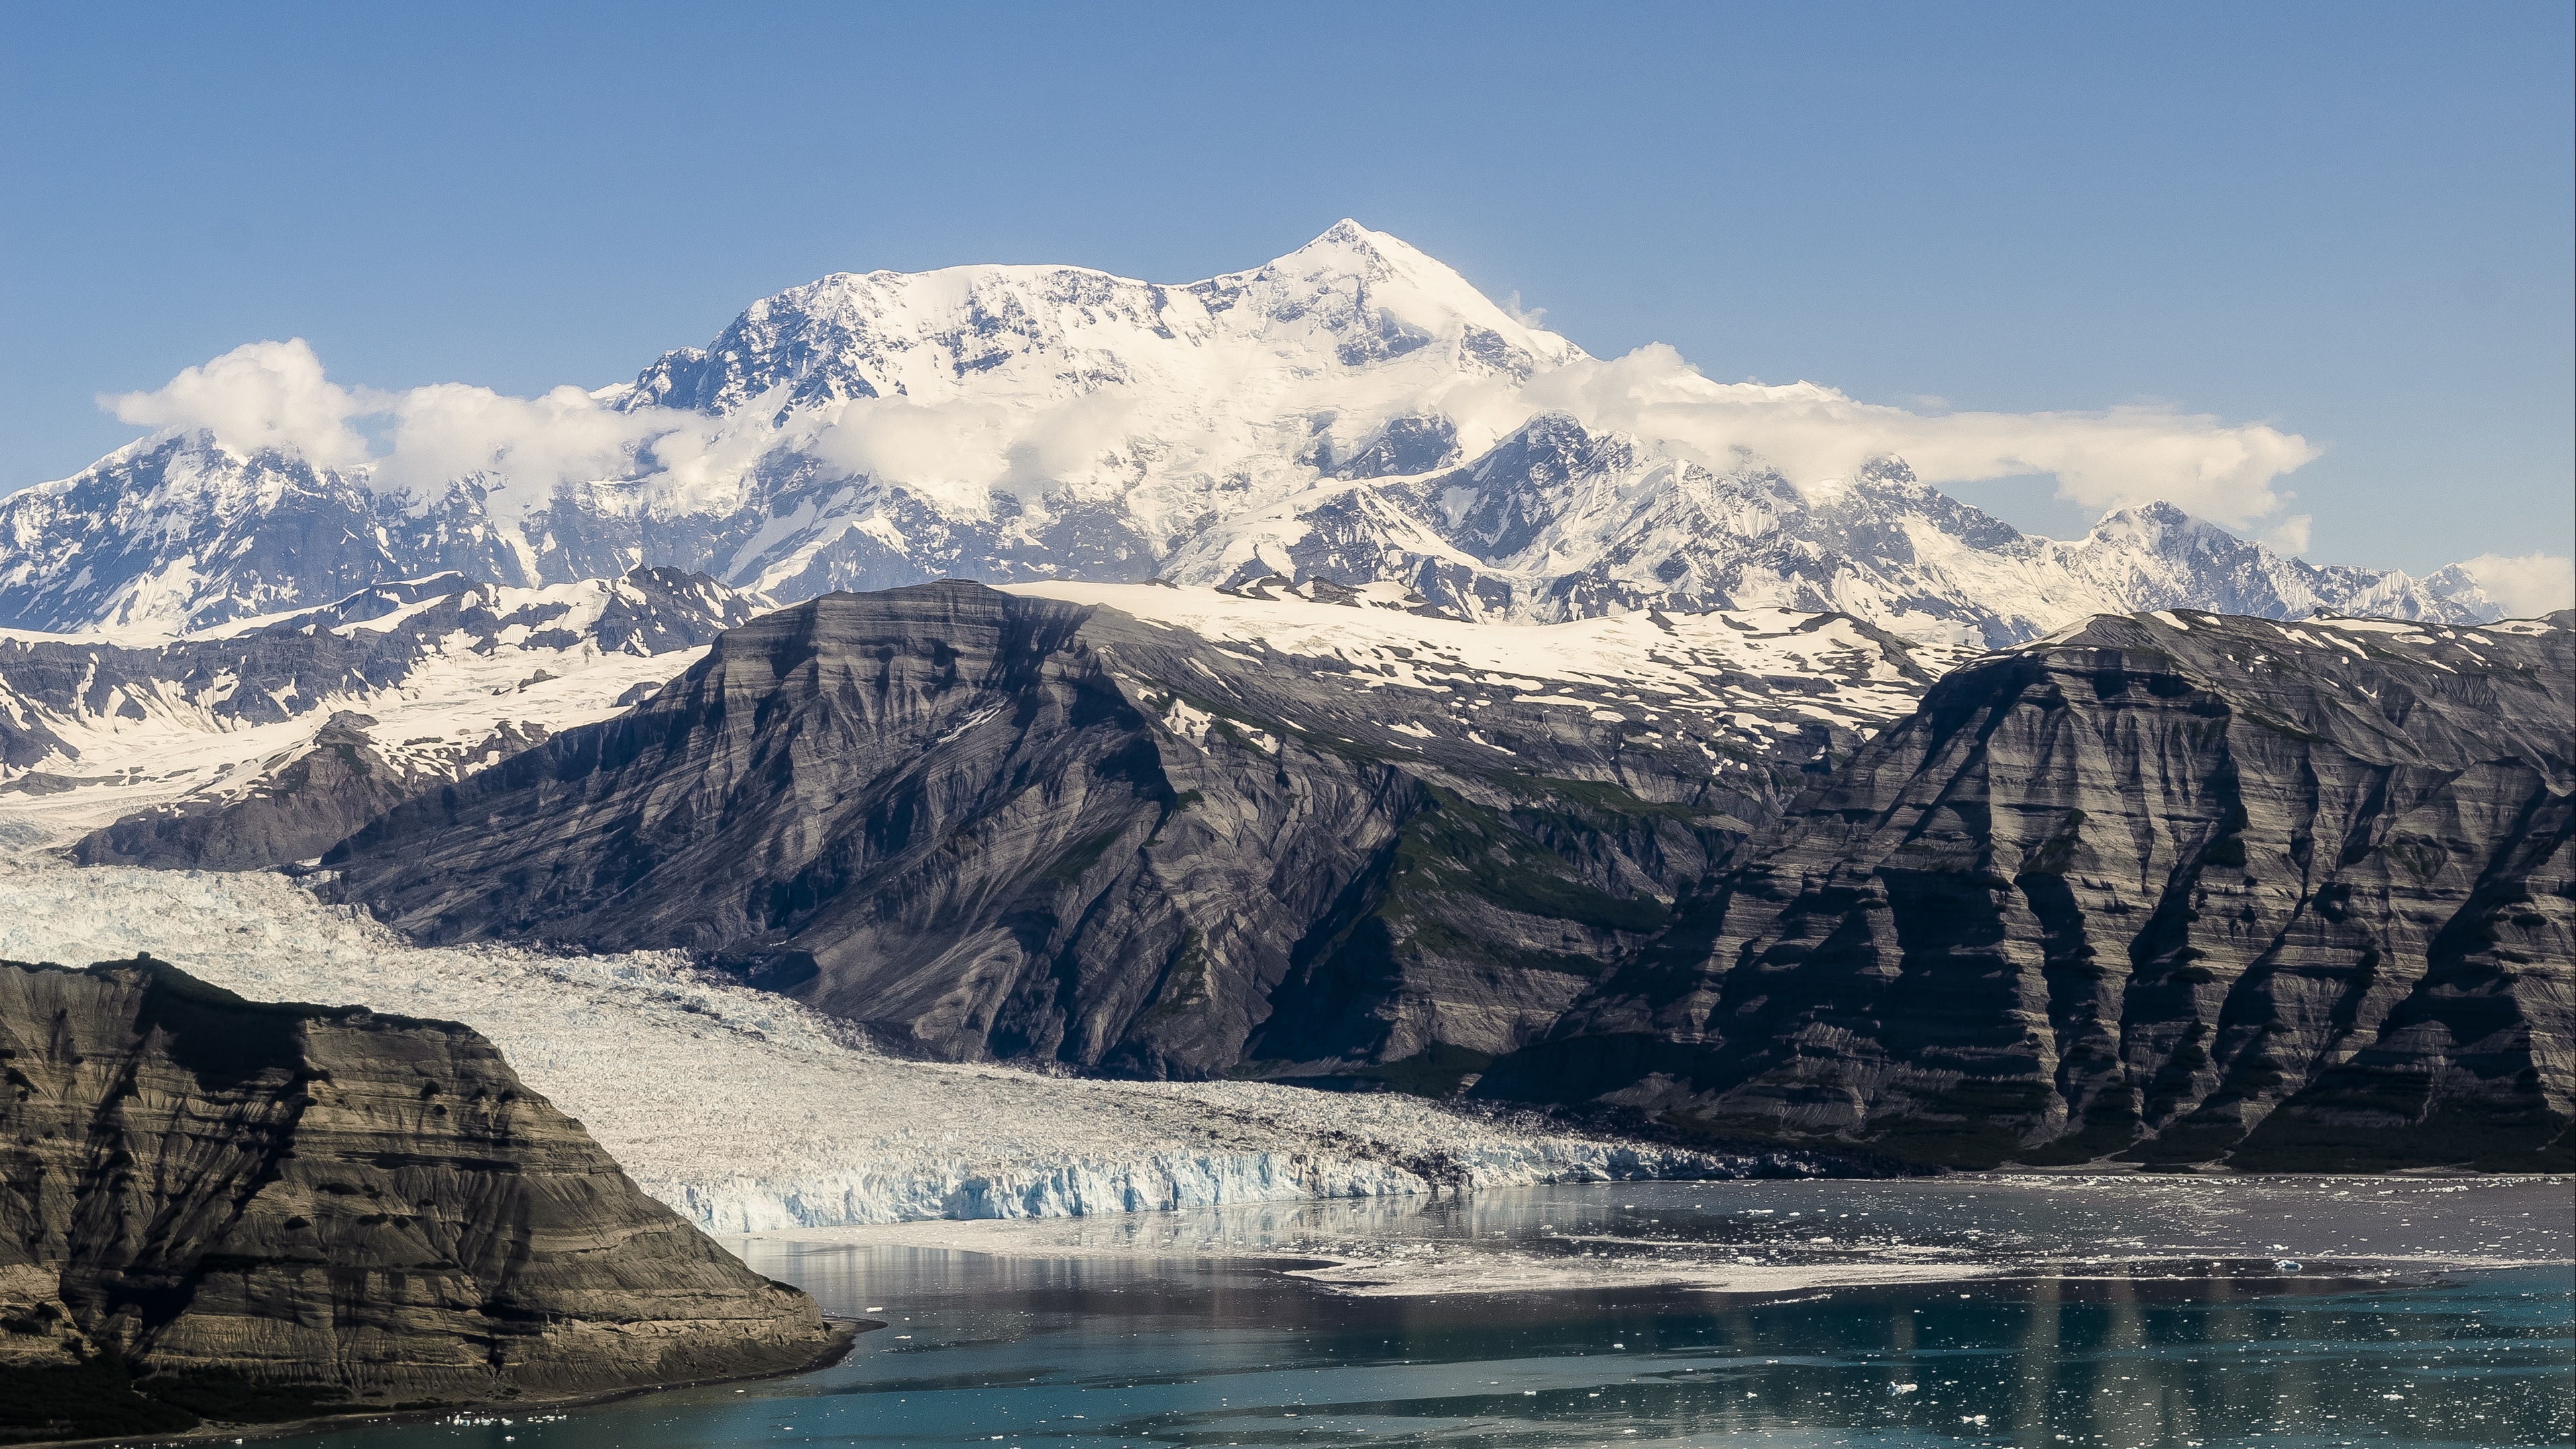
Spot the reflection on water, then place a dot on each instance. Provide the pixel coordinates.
(1782, 1237)
(2137, 1311)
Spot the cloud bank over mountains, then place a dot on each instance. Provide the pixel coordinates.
(2525, 585)
(1353, 411)
(276, 395)
(1813, 433)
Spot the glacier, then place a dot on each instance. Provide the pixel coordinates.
(747, 1113)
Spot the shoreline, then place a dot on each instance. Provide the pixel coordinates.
(1306, 1242)
(211, 1431)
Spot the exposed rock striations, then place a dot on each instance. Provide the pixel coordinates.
(2177, 888)
(989, 824)
(260, 1211)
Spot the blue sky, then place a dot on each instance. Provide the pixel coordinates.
(2351, 222)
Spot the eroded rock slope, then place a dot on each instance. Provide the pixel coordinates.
(262, 1210)
(1263, 834)
(2178, 888)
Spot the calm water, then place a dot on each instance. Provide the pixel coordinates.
(2123, 1312)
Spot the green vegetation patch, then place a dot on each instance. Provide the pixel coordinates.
(1190, 982)
(1082, 856)
(1599, 797)
(1460, 848)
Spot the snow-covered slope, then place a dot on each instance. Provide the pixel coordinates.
(1735, 686)
(1562, 522)
(450, 673)
(1352, 411)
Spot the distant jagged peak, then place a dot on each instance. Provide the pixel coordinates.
(2159, 524)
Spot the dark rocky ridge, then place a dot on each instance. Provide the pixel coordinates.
(2179, 890)
(263, 1211)
(296, 809)
(991, 825)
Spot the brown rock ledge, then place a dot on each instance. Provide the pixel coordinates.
(222, 1210)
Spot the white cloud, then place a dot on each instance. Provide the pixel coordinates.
(2290, 535)
(2526, 586)
(948, 448)
(274, 394)
(449, 430)
(2110, 459)
(258, 396)
(961, 450)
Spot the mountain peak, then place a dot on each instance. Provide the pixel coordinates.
(1017, 422)
(1347, 241)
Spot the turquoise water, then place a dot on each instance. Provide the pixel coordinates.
(2123, 1312)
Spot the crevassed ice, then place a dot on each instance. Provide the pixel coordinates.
(745, 1112)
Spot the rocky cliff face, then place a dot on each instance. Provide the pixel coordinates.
(1260, 834)
(261, 1211)
(2170, 889)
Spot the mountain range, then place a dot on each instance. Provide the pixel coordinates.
(2173, 888)
(263, 741)
(1153, 831)
(1349, 696)
(1353, 412)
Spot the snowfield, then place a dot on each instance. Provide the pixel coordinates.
(748, 1113)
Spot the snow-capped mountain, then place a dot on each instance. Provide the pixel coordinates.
(1353, 411)
(429, 679)
(1560, 522)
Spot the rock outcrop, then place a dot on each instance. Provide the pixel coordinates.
(298, 807)
(2169, 889)
(239, 1211)
(993, 825)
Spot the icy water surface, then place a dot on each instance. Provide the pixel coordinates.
(2029, 1311)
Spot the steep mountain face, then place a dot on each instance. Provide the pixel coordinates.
(2172, 889)
(1148, 830)
(260, 1212)
(1325, 417)
(213, 738)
